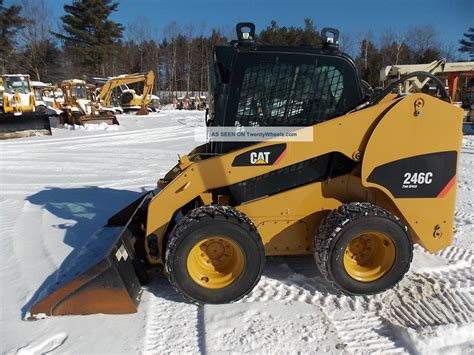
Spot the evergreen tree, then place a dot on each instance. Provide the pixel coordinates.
(90, 36)
(290, 36)
(467, 44)
(10, 23)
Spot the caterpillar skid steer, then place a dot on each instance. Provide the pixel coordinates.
(378, 177)
(19, 116)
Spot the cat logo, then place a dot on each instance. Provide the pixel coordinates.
(268, 155)
(259, 158)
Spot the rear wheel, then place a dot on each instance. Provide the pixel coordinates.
(362, 249)
(214, 255)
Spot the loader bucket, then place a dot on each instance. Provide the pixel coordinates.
(96, 119)
(111, 286)
(24, 125)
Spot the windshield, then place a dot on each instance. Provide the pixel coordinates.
(79, 92)
(38, 94)
(17, 84)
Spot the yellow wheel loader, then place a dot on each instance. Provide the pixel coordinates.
(79, 106)
(378, 177)
(19, 116)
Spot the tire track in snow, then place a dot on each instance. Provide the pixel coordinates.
(363, 331)
(365, 323)
(171, 323)
(367, 334)
(116, 135)
(429, 300)
(455, 254)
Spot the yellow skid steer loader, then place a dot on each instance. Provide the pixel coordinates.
(378, 177)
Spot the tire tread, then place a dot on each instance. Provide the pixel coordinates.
(329, 229)
(192, 219)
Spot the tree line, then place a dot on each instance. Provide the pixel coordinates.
(87, 44)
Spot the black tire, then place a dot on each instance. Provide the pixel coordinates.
(345, 224)
(77, 118)
(202, 223)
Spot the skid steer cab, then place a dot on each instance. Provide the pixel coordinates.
(378, 176)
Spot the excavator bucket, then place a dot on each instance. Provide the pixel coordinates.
(112, 285)
(143, 111)
(24, 125)
(110, 119)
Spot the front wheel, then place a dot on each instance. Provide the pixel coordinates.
(362, 249)
(214, 255)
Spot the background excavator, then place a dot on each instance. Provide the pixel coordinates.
(129, 99)
(378, 177)
(19, 115)
(80, 107)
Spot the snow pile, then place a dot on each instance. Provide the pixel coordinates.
(102, 126)
(57, 193)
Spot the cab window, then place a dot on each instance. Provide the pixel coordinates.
(289, 92)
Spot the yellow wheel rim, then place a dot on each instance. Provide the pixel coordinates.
(369, 256)
(215, 262)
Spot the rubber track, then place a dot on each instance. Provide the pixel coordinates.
(192, 220)
(332, 225)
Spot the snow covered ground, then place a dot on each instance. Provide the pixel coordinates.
(57, 192)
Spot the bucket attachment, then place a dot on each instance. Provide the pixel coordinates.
(24, 125)
(108, 118)
(143, 111)
(111, 286)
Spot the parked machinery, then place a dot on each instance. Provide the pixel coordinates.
(129, 99)
(45, 98)
(79, 106)
(19, 116)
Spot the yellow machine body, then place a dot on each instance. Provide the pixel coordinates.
(18, 100)
(79, 108)
(287, 221)
(18, 115)
(143, 100)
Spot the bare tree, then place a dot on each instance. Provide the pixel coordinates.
(393, 47)
(423, 43)
(189, 34)
(171, 32)
(347, 44)
(449, 51)
(35, 38)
